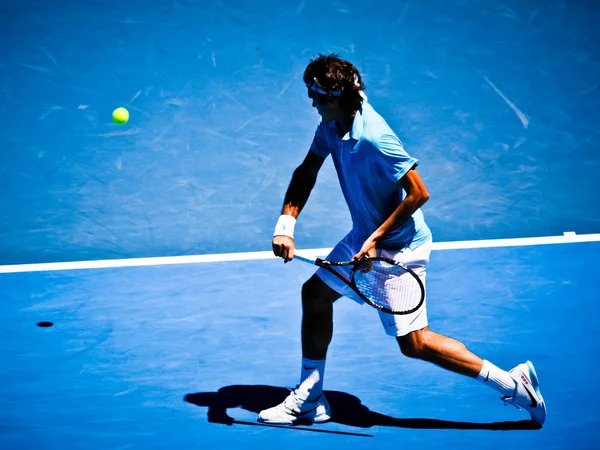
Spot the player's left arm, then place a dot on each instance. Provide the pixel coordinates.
(416, 196)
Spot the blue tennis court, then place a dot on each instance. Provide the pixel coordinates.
(186, 355)
(147, 245)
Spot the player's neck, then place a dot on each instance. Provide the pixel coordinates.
(344, 122)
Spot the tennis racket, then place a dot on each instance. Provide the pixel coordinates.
(383, 283)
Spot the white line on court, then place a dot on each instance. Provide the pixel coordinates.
(569, 237)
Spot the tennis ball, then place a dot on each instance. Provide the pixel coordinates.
(120, 115)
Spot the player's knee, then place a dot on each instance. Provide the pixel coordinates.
(412, 348)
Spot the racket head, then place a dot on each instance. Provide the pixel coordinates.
(388, 285)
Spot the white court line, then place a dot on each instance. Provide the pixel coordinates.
(568, 238)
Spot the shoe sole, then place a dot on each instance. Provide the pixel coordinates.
(535, 384)
(302, 418)
(535, 381)
(299, 420)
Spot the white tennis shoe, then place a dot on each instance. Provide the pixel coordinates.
(527, 392)
(295, 410)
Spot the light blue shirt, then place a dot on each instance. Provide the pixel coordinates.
(370, 160)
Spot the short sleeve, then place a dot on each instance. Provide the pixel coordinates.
(395, 162)
(319, 144)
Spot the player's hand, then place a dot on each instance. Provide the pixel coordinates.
(284, 246)
(368, 250)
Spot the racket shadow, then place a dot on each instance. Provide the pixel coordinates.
(346, 409)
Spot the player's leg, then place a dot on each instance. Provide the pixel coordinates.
(317, 318)
(317, 331)
(441, 350)
(306, 403)
(318, 295)
(519, 387)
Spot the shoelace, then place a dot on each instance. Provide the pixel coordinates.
(294, 402)
(510, 399)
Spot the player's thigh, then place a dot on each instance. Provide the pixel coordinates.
(316, 293)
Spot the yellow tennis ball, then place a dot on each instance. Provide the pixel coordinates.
(120, 115)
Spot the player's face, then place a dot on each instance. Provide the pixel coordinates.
(326, 109)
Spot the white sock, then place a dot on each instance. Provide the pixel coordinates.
(311, 379)
(497, 379)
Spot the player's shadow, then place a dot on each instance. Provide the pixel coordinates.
(346, 409)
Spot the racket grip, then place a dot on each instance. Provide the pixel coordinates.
(306, 260)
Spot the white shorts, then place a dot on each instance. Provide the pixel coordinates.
(417, 259)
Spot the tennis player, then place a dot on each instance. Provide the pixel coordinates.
(384, 193)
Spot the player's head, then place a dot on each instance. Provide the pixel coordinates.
(333, 83)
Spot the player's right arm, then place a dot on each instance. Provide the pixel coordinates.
(301, 185)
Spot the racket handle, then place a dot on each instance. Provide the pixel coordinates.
(306, 260)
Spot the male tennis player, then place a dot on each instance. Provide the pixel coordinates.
(384, 193)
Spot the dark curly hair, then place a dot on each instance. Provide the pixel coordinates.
(331, 74)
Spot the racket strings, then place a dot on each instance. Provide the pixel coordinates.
(389, 286)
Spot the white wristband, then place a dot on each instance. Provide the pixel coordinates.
(285, 226)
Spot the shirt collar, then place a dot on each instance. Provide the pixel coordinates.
(357, 127)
